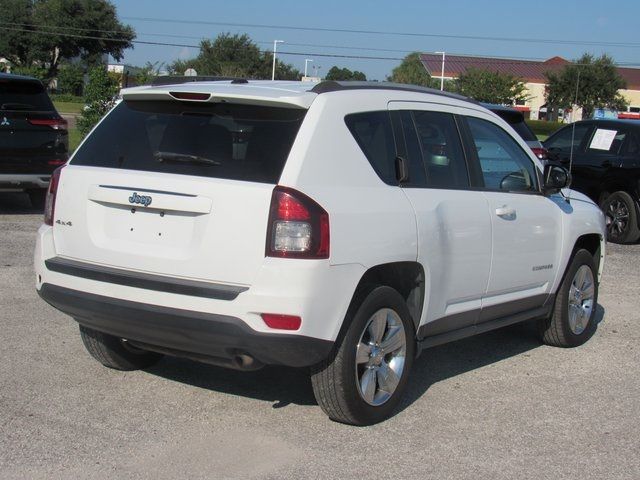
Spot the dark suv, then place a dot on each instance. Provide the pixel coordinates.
(606, 167)
(515, 119)
(33, 137)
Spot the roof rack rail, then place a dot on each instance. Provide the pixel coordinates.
(337, 86)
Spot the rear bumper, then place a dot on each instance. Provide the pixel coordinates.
(217, 338)
(24, 181)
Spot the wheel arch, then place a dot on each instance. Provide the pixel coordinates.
(407, 277)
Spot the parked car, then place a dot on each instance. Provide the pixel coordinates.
(515, 119)
(606, 167)
(33, 137)
(343, 227)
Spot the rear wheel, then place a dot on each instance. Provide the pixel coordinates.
(114, 352)
(37, 198)
(573, 322)
(363, 381)
(622, 219)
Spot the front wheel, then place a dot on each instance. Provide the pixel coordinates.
(363, 381)
(622, 221)
(573, 322)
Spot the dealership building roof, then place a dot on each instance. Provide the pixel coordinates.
(530, 71)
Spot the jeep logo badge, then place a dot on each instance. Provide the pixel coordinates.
(140, 199)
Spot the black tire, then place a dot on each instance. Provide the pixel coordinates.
(113, 352)
(37, 198)
(556, 330)
(335, 380)
(622, 218)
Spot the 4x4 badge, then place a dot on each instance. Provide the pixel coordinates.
(5, 122)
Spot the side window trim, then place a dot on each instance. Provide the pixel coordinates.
(476, 180)
(470, 145)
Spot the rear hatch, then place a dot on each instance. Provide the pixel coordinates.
(33, 136)
(176, 188)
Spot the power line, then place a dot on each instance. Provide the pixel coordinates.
(491, 61)
(381, 32)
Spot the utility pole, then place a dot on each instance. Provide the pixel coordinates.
(442, 72)
(275, 46)
(306, 63)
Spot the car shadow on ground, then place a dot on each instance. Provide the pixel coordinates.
(284, 386)
(16, 203)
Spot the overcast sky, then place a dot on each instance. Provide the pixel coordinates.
(603, 23)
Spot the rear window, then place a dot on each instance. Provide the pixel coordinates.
(23, 95)
(216, 140)
(516, 121)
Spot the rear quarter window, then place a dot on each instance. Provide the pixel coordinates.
(217, 140)
(374, 134)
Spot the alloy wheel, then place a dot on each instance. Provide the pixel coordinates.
(380, 357)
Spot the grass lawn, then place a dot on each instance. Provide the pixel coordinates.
(74, 139)
(68, 107)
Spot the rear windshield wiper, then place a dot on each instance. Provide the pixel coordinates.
(19, 106)
(183, 157)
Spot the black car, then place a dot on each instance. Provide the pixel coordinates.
(33, 137)
(515, 119)
(605, 167)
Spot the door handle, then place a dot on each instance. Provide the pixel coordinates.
(505, 211)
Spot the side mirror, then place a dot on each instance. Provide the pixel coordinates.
(556, 177)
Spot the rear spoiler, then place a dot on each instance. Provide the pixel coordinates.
(236, 91)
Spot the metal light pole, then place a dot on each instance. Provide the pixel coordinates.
(442, 73)
(306, 63)
(275, 46)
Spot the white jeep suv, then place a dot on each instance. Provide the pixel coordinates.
(343, 227)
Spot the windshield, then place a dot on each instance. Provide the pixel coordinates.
(217, 140)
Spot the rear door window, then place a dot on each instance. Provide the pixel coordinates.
(441, 150)
(27, 95)
(217, 140)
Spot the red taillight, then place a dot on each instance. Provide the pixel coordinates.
(55, 123)
(56, 162)
(298, 226)
(202, 97)
(540, 152)
(50, 203)
(281, 322)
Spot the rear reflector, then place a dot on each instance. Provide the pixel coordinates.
(56, 163)
(202, 97)
(52, 191)
(55, 123)
(281, 322)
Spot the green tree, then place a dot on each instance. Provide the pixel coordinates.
(100, 95)
(71, 79)
(234, 56)
(491, 87)
(336, 73)
(40, 32)
(147, 73)
(412, 71)
(597, 82)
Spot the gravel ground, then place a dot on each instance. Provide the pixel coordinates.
(498, 406)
